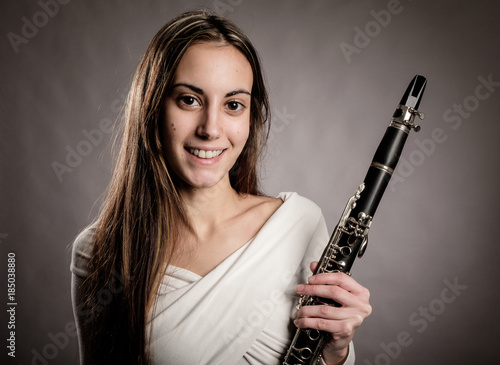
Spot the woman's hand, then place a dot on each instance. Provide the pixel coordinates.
(340, 322)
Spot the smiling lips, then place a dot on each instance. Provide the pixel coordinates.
(205, 153)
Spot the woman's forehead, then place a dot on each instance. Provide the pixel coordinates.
(211, 65)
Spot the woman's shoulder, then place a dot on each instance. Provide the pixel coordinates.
(292, 208)
(300, 203)
(266, 203)
(82, 250)
(257, 209)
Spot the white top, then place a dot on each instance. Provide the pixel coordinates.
(241, 312)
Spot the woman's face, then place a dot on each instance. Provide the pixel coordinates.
(207, 113)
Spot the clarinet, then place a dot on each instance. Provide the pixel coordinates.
(350, 237)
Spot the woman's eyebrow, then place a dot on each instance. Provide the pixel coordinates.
(189, 86)
(201, 92)
(240, 91)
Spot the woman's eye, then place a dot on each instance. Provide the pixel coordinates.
(188, 100)
(234, 106)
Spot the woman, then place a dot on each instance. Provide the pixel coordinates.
(188, 262)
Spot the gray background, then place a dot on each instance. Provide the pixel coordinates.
(437, 225)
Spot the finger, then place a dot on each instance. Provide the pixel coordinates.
(338, 294)
(343, 280)
(337, 329)
(334, 292)
(313, 265)
(331, 313)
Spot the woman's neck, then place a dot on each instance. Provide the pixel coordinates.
(209, 207)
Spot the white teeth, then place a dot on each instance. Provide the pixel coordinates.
(205, 153)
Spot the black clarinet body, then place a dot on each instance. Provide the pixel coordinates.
(350, 237)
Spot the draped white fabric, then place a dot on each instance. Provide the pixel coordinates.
(240, 312)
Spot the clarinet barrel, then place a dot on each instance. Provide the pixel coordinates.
(350, 237)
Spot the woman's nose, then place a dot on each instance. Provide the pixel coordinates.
(210, 124)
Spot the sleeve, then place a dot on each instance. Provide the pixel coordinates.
(350, 357)
(81, 253)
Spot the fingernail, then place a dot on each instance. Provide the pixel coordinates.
(300, 287)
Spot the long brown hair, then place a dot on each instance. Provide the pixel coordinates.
(139, 223)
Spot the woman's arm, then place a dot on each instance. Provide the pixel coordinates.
(78, 310)
(82, 249)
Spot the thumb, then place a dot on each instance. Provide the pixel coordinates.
(313, 265)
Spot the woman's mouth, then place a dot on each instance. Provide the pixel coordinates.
(204, 153)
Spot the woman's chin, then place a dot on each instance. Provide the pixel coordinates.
(204, 182)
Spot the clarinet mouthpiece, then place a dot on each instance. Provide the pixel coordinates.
(414, 92)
